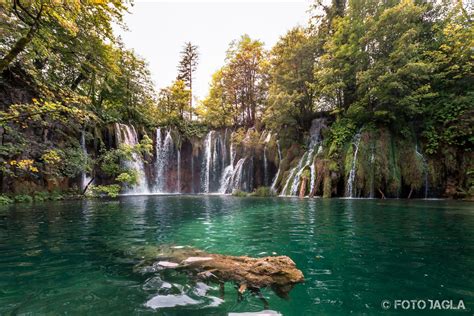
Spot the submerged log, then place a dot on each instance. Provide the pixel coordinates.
(276, 272)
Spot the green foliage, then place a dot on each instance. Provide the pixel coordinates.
(5, 200)
(174, 102)
(341, 132)
(239, 193)
(291, 95)
(23, 198)
(112, 190)
(128, 178)
(238, 89)
(41, 196)
(263, 192)
(192, 129)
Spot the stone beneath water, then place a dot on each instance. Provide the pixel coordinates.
(168, 264)
(196, 259)
(161, 301)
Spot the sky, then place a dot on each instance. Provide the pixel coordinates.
(157, 31)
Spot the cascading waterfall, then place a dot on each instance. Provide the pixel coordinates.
(237, 175)
(265, 160)
(206, 171)
(312, 169)
(164, 158)
(352, 173)
(274, 182)
(293, 173)
(216, 167)
(127, 135)
(220, 169)
(228, 172)
(306, 160)
(85, 178)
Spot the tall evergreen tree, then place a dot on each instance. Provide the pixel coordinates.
(186, 67)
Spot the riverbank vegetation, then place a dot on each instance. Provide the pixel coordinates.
(395, 78)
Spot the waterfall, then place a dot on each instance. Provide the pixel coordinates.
(312, 168)
(352, 173)
(295, 174)
(205, 173)
(164, 156)
(127, 135)
(425, 170)
(227, 174)
(265, 166)
(85, 178)
(305, 161)
(265, 160)
(274, 182)
(237, 175)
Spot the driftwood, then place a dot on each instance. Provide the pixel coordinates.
(276, 272)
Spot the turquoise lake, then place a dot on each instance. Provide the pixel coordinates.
(73, 257)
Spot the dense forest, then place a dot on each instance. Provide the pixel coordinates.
(370, 99)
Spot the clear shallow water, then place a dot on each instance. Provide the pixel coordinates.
(74, 257)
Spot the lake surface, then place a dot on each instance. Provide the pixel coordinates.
(74, 257)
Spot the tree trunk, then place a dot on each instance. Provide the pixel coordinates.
(17, 48)
(278, 273)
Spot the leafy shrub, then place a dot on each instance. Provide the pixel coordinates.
(128, 178)
(23, 198)
(111, 190)
(5, 200)
(239, 193)
(41, 196)
(56, 195)
(263, 192)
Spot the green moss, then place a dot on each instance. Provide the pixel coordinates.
(327, 186)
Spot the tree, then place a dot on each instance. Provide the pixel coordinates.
(239, 89)
(173, 102)
(291, 96)
(125, 91)
(448, 116)
(186, 68)
(216, 110)
(49, 24)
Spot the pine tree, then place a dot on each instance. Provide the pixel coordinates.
(186, 67)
